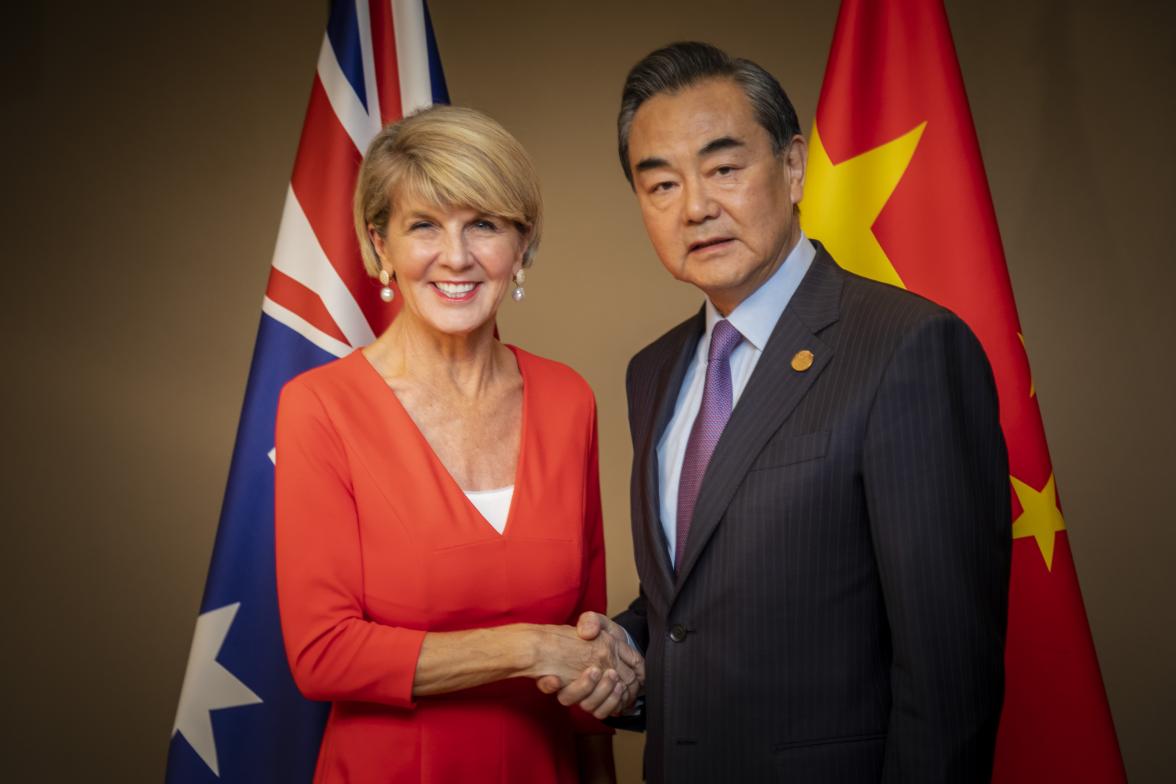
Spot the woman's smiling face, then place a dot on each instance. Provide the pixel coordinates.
(453, 265)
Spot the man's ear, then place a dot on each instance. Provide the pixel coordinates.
(796, 163)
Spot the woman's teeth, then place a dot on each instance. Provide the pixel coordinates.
(455, 289)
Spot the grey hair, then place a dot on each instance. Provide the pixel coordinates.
(681, 65)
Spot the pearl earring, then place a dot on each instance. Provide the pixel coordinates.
(520, 277)
(386, 292)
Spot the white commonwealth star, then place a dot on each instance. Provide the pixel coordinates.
(208, 686)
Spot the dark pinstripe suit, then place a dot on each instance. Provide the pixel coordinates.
(840, 610)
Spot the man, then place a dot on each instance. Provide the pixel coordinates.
(820, 499)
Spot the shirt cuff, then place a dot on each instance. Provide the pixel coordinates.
(632, 643)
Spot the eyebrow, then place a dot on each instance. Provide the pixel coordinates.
(645, 164)
(711, 147)
(420, 215)
(722, 143)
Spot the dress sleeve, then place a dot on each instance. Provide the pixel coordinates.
(335, 653)
(594, 596)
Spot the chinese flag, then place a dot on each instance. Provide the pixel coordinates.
(896, 191)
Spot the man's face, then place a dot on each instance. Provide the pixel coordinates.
(716, 200)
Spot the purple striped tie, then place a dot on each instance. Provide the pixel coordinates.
(712, 417)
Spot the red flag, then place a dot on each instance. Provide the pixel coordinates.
(896, 190)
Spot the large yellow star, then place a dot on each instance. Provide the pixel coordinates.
(1040, 516)
(842, 201)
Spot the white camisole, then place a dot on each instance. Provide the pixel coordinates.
(493, 504)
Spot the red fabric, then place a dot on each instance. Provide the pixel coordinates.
(304, 301)
(384, 58)
(893, 66)
(324, 184)
(377, 545)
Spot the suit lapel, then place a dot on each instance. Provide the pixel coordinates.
(771, 394)
(667, 382)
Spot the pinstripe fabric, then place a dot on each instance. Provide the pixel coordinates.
(843, 591)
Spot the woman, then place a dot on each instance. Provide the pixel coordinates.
(438, 505)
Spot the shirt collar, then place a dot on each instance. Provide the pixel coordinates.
(756, 316)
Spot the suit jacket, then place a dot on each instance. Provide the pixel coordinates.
(840, 610)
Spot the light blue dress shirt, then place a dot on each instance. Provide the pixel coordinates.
(755, 318)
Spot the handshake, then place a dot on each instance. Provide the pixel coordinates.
(592, 665)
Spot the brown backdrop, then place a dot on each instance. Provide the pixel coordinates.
(147, 153)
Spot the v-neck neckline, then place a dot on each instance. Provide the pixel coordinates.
(432, 454)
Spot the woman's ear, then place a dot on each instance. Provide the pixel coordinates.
(377, 240)
(524, 245)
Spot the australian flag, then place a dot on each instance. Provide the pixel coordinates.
(240, 717)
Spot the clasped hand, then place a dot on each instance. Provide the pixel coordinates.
(592, 666)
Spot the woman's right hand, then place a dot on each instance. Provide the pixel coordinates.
(612, 670)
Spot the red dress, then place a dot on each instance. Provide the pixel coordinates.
(377, 544)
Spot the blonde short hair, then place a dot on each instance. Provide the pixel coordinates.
(453, 157)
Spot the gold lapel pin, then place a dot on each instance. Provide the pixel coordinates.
(802, 360)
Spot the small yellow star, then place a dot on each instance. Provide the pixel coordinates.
(1040, 516)
(1032, 392)
(842, 201)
